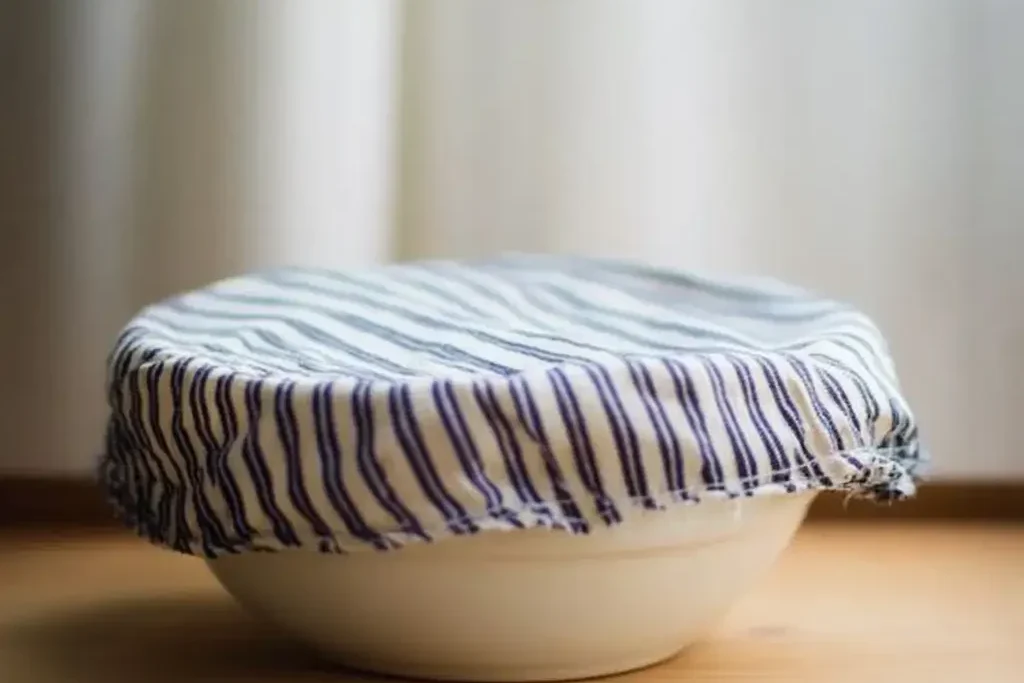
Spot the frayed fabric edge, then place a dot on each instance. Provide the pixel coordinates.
(878, 475)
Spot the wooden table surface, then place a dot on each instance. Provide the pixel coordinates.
(848, 602)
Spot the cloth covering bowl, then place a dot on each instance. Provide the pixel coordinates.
(522, 468)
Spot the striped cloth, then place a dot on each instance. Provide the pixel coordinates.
(366, 410)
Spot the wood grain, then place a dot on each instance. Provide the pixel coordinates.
(847, 603)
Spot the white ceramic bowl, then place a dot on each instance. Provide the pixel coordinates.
(523, 606)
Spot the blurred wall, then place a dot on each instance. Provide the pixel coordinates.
(29, 287)
(869, 150)
(151, 146)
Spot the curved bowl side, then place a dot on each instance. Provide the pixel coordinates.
(527, 605)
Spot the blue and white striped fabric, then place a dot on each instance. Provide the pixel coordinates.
(366, 410)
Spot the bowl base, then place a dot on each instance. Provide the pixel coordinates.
(520, 672)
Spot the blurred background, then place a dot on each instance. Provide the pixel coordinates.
(872, 150)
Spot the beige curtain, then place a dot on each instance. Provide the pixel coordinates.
(869, 150)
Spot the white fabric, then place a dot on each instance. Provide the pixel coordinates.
(342, 411)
